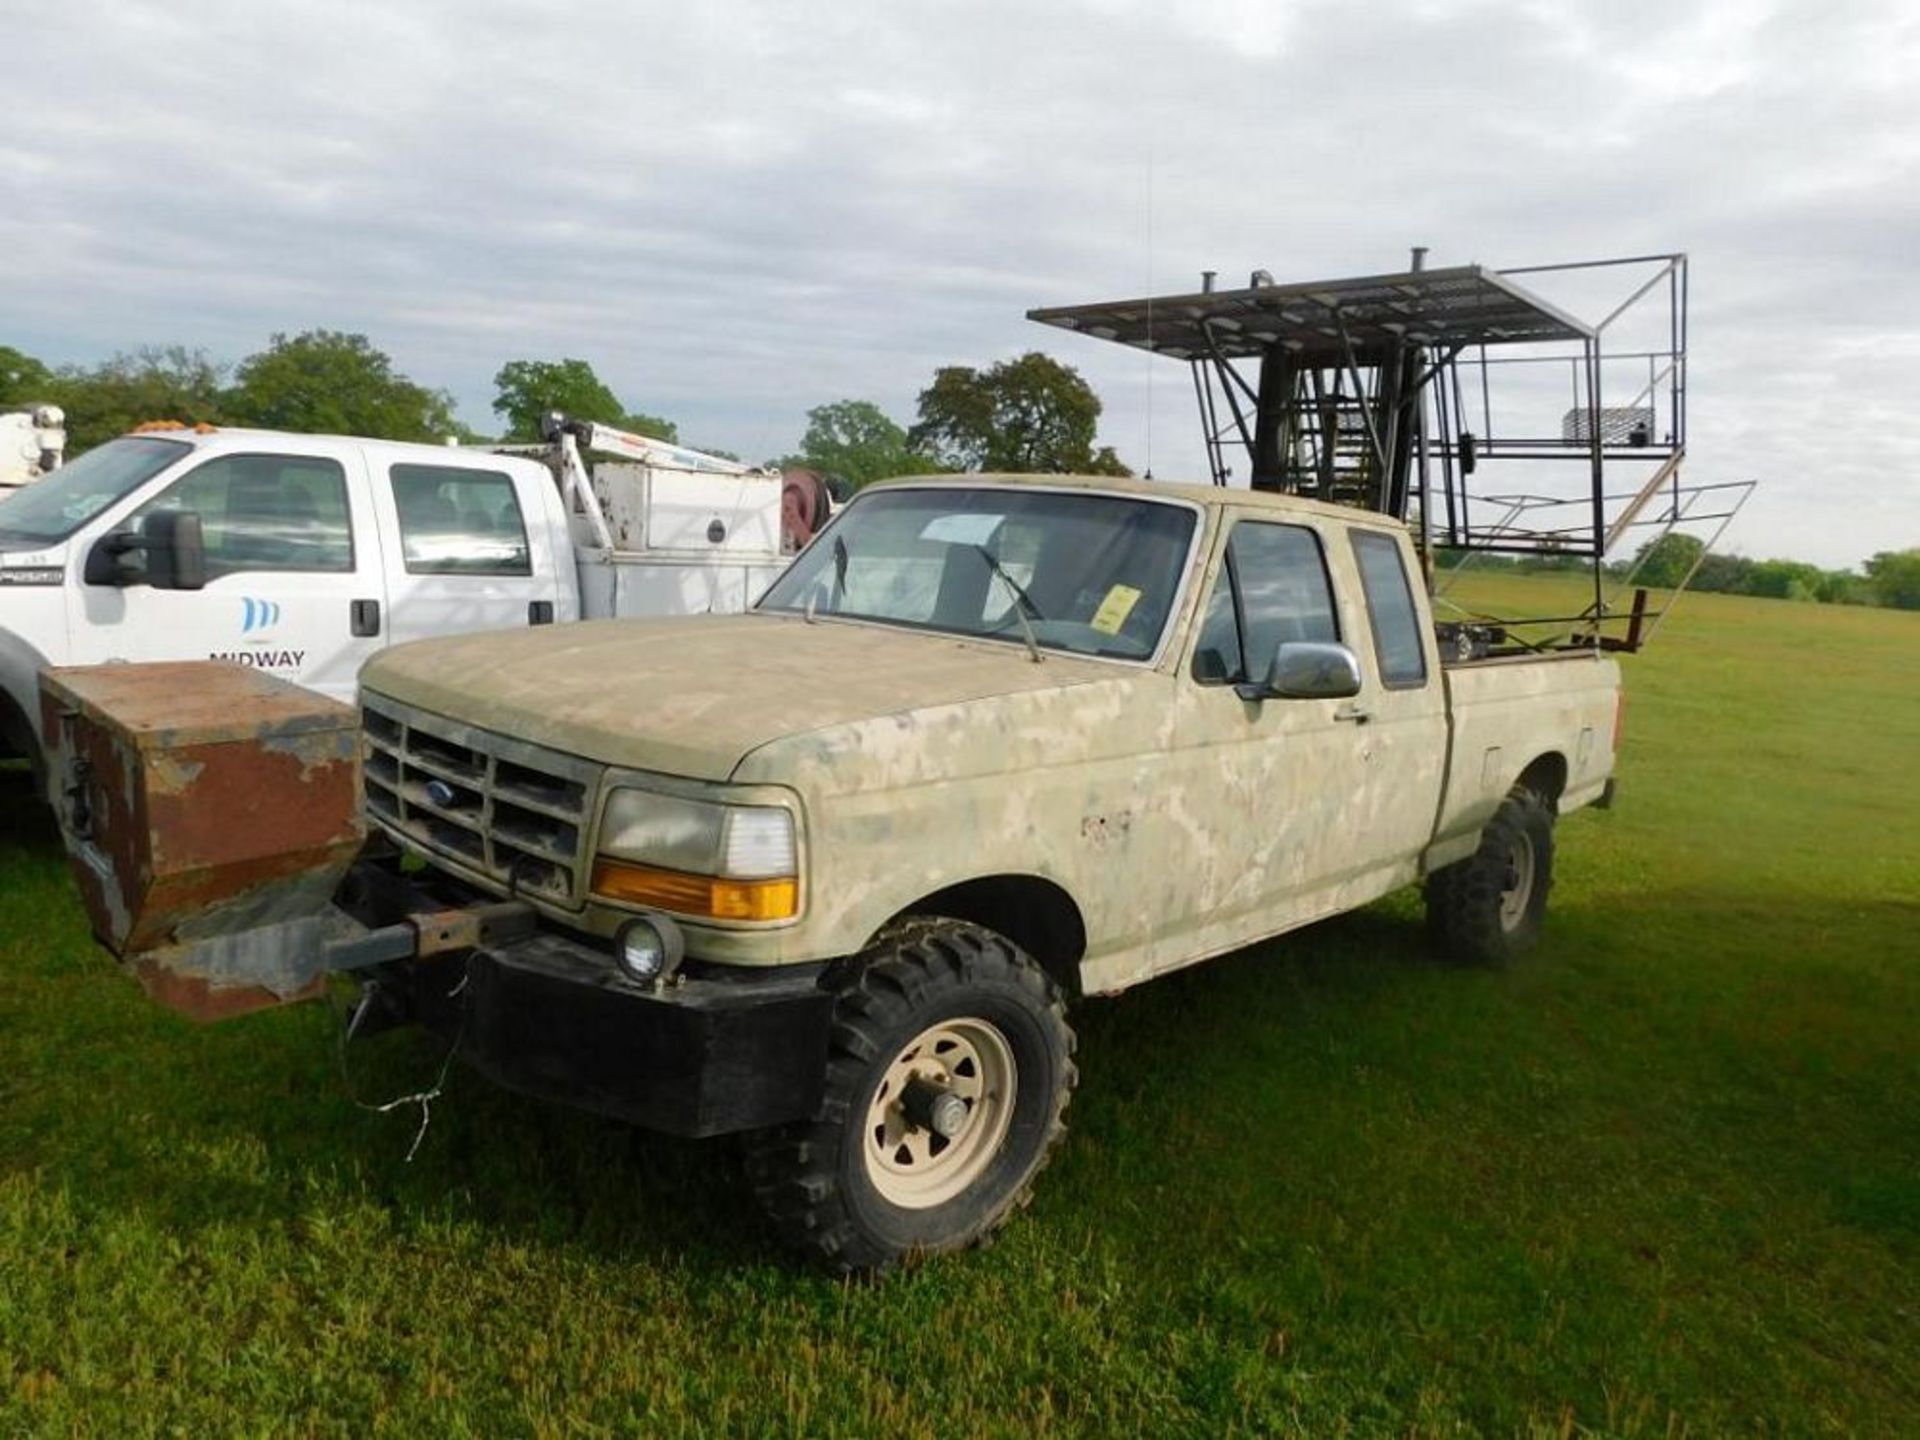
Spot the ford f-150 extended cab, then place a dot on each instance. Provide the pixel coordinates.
(832, 872)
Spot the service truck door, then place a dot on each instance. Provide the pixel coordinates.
(294, 573)
(1298, 806)
(465, 560)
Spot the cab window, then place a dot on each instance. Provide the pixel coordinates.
(1272, 588)
(1396, 624)
(456, 521)
(265, 512)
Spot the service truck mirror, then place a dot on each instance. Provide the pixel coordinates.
(173, 543)
(1313, 670)
(176, 550)
(107, 562)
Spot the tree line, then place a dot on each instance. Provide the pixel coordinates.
(1890, 578)
(1031, 414)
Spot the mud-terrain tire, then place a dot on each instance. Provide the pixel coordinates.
(1488, 908)
(935, 1009)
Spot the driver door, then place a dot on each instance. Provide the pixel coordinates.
(294, 572)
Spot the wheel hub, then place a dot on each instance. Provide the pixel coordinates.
(1518, 889)
(928, 1106)
(940, 1113)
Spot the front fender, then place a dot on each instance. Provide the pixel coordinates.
(20, 667)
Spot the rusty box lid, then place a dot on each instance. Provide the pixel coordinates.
(169, 704)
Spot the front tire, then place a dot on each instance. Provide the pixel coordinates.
(948, 1075)
(1489, 908)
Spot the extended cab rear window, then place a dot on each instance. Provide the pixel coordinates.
(1396, 623)
(457, 521)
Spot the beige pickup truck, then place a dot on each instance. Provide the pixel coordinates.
(833, 872)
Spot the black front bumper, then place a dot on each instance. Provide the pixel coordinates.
(721, 1050)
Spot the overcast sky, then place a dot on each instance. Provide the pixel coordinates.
(739, 211)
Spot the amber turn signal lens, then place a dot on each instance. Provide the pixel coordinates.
(706, 896)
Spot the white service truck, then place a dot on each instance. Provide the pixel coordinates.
(302, 555)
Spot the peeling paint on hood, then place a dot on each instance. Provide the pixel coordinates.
(692, 696)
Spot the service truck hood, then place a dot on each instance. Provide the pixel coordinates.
(693, 696)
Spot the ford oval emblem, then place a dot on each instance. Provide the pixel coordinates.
(441, 794)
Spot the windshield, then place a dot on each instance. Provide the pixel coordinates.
(52, 509)
(1087, 574)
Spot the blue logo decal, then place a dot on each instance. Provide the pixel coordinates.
(259, 614)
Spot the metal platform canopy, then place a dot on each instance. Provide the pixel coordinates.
(1397, 393)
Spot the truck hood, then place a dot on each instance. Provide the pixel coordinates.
(695, 695)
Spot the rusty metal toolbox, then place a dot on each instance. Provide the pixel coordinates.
(213, 810)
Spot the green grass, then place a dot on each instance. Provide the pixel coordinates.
(1662, 1180)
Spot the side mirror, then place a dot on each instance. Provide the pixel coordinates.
(176, 550)
(1306, 670)
(107, 562)
(173, 543)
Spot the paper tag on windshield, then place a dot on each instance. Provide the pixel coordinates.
(1114, 610)
(962, 529)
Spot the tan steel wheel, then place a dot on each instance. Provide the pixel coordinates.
(940, 1113)
(1517, 893)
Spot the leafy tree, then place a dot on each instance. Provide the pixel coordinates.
(1784, 580)
(1664, 563)
(23, 379)
(526, 391)
(1728, 574)
(329, 382)
(656, 428)
(854, 441)
(1894, 577)
(1032, 414)
(1843, 587)
(174, 383)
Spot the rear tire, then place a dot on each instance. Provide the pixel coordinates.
(948, 1075)
(1489, 908)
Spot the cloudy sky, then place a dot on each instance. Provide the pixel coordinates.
(736, 211)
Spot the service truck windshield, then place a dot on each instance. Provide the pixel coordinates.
(52, 509)
(1087, 574)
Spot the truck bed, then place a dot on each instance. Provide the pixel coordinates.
(1506, 714)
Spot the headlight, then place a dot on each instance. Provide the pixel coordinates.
(693, 857)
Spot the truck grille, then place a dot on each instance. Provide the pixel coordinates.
(504, 810)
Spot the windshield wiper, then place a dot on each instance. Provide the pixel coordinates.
(1023, 605)
(839, 571)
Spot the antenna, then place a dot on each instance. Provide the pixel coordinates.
(1151, 367)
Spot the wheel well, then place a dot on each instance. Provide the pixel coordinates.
(1546, 777)
(18, 742)
(1036, 914)
(16, 732)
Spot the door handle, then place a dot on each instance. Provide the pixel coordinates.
(364, 618)
(1358, 714)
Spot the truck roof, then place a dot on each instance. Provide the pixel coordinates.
(201, 436)
(1192, 492)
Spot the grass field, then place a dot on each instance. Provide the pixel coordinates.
(1663, 1180)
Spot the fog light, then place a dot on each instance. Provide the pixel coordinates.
(649, 949)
